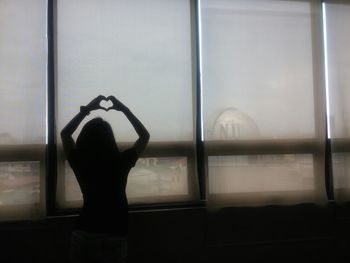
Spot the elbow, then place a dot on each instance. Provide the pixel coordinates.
(64, 133)
(147, 136)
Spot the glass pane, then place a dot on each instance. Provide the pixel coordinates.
(338, 51)
(23, 61)
(19, 183)
(138, 51)
(23, 72)
(166, 176)
(341, 171)
(257, 69)
(260, 173)
(153, 178)
(338, 54)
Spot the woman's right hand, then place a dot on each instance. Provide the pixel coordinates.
(95, 103)
(117, 105)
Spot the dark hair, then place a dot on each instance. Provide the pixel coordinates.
(96, 139)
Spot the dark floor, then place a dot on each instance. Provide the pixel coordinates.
(300, 233)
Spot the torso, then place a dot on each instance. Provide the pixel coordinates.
(103, 184)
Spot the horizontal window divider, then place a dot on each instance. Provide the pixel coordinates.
(340, 144)
(165, 199)
(262, 193)
(18, 153)
(255, 147)
(167, 206)
(144, 201)
(335, 1)
(159, 149)
(165, 149)
(142, 207)
(15, 212)
(273, 197)
(34, 152)
(256, 12)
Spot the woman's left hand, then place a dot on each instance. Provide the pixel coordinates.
(95, 103)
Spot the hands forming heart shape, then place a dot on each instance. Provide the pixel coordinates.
(103, 103)
(106, 104)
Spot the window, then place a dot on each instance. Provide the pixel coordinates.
(142, 53)
(337, 20)
(235, 95)
(262, 95)
(23, 59)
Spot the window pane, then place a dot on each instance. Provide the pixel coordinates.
(140, 52)
(338, 54)
(19, 183)
(262, 178)
(22, 71)
(23, 59)
(338, 42)
(158, 177)
(257, 69)
(260, 173)
(341, 171)
(260, 82)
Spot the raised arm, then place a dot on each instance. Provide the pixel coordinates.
(141, 131)
(67, 132)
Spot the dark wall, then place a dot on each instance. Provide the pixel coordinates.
(300, 233)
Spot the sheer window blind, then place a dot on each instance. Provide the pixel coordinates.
(262, 98)
(140, 52)
(22, 107)
(262, 85)
(337, 20)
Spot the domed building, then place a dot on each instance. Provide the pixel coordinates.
(233, 124)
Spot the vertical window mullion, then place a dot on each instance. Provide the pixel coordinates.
(319, 156)
(328, 149)
(196, 35)
(51, 166)
(335, 16)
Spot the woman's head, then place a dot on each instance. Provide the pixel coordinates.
(96, 138)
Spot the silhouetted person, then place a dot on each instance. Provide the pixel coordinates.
(102, 171)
